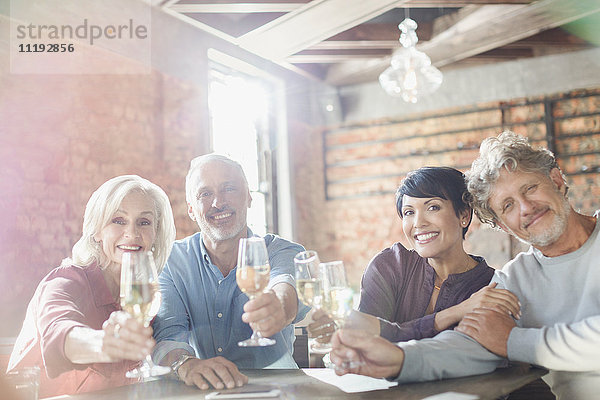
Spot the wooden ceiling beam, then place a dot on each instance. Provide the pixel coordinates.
(237, 8)
(241, 1)
(326, 58)
(382, 31)
(311, 24)
(551, 37)
(457, 3)
(354, 44)
(487, 28)
(234, 27)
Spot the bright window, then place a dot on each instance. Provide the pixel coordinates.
(239, 109)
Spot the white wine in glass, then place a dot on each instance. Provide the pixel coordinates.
(140, 297)
(308, 281)
(338, 300)
(310, 292)
(309, 285)
(252, 277)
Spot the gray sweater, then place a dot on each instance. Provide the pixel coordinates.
(559, 327)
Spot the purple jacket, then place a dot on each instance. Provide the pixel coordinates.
(397, 287)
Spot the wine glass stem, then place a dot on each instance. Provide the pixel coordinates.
(255, 333)
(148, 361)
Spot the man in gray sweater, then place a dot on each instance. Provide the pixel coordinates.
(522, 191)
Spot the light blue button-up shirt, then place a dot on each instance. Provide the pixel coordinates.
(201, 310)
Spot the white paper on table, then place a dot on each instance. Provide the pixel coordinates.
(350, 383)
(452, 396)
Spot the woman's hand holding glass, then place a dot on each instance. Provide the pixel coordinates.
(140, 298)
(335, 300)
(125, 338)
(325, 287)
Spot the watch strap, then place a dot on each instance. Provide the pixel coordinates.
(182, 359)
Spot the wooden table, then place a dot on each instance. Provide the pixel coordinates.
(294, 384)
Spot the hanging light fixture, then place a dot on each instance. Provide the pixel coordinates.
(411, 74)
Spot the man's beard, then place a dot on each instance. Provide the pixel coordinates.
(219, 234)
(557, 228)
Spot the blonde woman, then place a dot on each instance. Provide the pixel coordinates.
(74, 329)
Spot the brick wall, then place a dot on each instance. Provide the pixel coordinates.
(63, 136)
(346, 202)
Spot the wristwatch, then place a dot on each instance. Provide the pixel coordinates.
(179, 362)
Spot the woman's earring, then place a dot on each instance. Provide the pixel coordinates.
(152, 249)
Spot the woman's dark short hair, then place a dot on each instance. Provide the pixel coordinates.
(444, 182)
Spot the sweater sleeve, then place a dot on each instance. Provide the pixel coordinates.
(448, 355)
(563, 347)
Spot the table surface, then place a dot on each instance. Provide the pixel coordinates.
(294, 384)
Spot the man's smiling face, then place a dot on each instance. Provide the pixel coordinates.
(531, 206)
(221, 200)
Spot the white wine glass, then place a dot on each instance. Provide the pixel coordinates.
(252, 277)
(338, 299)
(309, 285)
(140, 297)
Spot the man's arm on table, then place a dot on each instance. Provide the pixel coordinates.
(448, 355)
(564, 347)
(172, 331)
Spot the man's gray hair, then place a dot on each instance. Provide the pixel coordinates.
(197, 163)
(511, 152)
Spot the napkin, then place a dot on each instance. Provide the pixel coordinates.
(452, 396)
(349, 383)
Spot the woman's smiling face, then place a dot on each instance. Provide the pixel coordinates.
(131, 228)
(431, 225)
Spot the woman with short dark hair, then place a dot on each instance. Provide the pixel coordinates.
(417, 293)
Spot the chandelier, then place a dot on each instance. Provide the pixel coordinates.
(411, 74)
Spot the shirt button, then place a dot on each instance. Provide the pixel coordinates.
(220, 280)
(219, 315)
(219, 349)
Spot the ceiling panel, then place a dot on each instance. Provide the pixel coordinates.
(346, 42)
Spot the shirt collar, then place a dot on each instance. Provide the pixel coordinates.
(100, 291)
(204, 253)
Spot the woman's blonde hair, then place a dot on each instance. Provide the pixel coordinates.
(101, 207)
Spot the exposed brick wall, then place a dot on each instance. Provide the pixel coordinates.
(63, 136)
(346, 204)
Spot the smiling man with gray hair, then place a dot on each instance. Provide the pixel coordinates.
(522, 191)
(204, 314)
